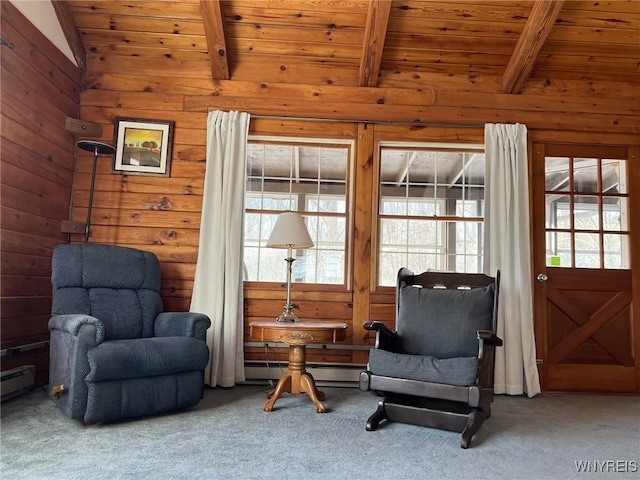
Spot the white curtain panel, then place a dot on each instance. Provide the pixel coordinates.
(508, 249)
(217, 289)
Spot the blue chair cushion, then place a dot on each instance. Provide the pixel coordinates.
(118, 285)
(146, 357)
(443, 323)
(450, 371)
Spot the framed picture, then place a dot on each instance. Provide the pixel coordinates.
(143, 147)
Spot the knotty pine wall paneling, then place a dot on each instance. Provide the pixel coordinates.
(163, 214)
(40, 88)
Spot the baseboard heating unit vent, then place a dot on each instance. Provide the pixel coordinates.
(325, 374)
(17, 381)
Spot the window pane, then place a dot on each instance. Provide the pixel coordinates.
(428, 187)
(615, 251)
(559, 249)
(587, 250)
(614, 213)
(591, 214)
(556, 174)
(585, 175)
(469, 246)
(585, 213)
(614, 176)
(445, 177)
(557, 211)
(300, 176)
(330, 267)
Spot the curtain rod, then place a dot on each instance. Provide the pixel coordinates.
(367, 122)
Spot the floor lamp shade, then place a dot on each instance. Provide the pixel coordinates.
(96, 148)
(289, 232)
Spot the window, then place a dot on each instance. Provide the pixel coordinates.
(586, 210)
(431, 208)
(304, 175)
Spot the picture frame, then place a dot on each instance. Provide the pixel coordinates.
(143, 146)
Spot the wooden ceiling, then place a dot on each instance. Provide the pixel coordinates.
(496, 46)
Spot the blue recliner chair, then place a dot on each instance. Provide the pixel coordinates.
(113, 353)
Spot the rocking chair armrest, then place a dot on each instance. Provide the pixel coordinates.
(377, 326)
(385, 338)
(489, 337)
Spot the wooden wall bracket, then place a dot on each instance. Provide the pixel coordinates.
(80, 127)
(71, 226)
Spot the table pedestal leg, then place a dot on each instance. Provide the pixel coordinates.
(297, 380)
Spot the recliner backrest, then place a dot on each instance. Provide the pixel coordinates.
(118, 285)
(443, 322)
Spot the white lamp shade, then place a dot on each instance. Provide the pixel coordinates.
(290, 232)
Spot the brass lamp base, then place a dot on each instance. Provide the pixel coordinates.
(287, 316)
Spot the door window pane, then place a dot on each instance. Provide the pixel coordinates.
(586, 214)
(614, 176)
(587, 250)
(587, 225)
(614, 213)
(558, 211)
(615, 251)
(559, 249)
(585, 175)
(556, 175)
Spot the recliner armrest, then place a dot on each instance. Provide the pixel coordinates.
(385, 338)
(72, 324)
(489, 337)
(181, 324)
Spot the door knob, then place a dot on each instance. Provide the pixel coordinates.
(542, 277)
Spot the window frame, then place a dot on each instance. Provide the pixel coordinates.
(377, 217)
(348, 216)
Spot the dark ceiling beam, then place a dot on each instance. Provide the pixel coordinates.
(539, 24)
(216, 43)
(375, 33)
(68, 24)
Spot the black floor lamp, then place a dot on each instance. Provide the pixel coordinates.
(96, 148)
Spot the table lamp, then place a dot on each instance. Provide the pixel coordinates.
(289, 232)
(96, 148)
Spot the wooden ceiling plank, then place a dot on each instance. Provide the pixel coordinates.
(469, 12)
(301, 48)
(312, 5)
(151, 53)
(121, 23)
(65, 17)
(479, 45)
(373, 44)
(316, 34)
(144, 39)
(214, 31)
(182, 10)
(614, 6)
(541, 20)
(455, 28)
(339, 18)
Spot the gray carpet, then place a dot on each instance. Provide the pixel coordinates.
(228, 436)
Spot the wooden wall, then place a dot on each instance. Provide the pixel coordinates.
(163, 214)
(40, 88)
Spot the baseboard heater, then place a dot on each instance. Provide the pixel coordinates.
(17, 381)
(325, 374)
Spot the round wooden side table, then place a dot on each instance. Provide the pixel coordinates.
(297, 335)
